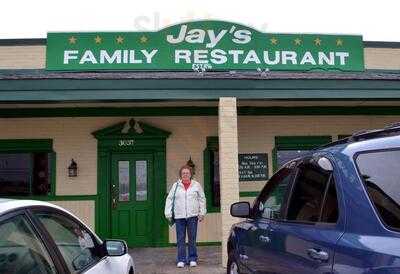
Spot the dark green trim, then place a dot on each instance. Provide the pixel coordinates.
(26, 145)
(194, 111)
(383, 70)
(210, 87)
(297, 142)
(212, 145)
(53, 173)
(301, 142)
(321, 110)
(278, 81)
(249, 193)
(213, 142)
(381, 44)
(23, 42)
(122, 90)
(108, 111)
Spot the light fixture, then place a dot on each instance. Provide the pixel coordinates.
(73, 169)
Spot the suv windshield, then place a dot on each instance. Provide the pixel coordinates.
(380, 171)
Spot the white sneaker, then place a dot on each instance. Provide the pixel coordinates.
(193, 264)
(180, 265)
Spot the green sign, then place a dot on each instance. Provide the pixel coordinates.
(203, 45)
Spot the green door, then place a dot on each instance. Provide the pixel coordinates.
(132, 205)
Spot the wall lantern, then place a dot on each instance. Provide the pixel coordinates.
(73, 169)
(191, 165)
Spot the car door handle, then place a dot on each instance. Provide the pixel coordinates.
(318, 255)
(264, 239)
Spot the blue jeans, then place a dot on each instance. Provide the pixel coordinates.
(189, 225)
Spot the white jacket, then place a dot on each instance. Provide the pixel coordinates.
(188, 203)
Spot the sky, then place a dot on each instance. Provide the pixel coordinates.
(375, 20)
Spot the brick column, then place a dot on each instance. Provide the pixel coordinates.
(228, 165)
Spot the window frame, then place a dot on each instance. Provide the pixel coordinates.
(292, 187)
(212, 145)
(369, 198)
(30, 146)
(40, 234)
(43, 209)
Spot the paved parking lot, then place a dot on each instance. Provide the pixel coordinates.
(162, 261)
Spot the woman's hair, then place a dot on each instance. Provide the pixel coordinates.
(185, 167)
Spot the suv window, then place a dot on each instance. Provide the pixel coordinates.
(380, 173)
(314, 196)
(269, 203)
(21, 251)
(78, 247)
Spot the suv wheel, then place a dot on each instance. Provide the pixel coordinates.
(232, 266)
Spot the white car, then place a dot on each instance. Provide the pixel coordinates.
(38, 237)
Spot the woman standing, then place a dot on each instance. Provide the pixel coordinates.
(186, 205)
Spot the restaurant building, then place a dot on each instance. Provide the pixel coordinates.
(99, 123)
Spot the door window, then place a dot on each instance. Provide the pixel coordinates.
(78, 247)
(21, 251)
(123, 181)
(314, 196)
(141, 180)
(270, 202)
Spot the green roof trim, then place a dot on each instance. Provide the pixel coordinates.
(38, 86)
(193, 111)
(29, 92)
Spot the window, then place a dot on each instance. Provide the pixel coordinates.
(270, 202)
(26, 168)
(288, 148)
(380, 173)
(25, 174)
(20, 250)
(211, 174)
(78, 247)
(141, 180)
(313, 198)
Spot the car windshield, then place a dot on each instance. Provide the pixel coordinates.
(380, 171)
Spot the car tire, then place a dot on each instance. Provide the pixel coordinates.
(232, 267)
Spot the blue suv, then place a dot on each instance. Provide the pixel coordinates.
(336, 210)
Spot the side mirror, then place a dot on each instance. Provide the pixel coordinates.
(115, 248)
(240, 210)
